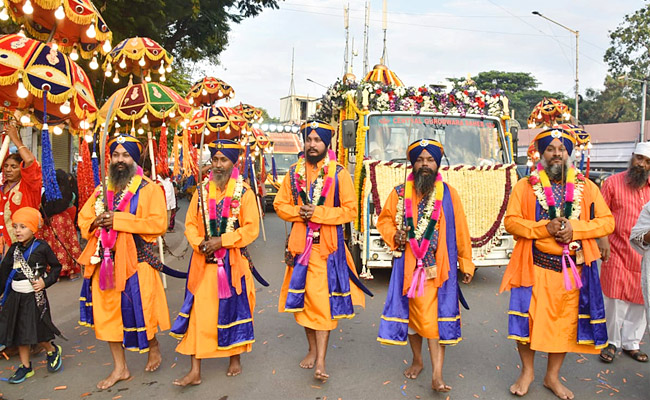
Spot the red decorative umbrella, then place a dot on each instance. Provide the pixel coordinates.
(381, 73)
(138, 56)
(30, 70)
(223, 122)
(252, 114)
(209, 90)
(548, 113)
(75, 25)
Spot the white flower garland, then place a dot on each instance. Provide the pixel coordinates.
(318, 188)
(538, 188)
(234, 210)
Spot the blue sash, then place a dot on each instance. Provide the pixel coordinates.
(10, 278)
(393, 326)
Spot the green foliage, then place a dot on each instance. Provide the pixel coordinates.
(266, 118)
(618, 102)
(630, 45)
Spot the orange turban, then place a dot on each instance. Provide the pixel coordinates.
(28, 216)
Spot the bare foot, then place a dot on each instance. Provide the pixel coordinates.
(192, 378)
(113, 378)
(309, 360)
(320, 374)
(520, 387)
(414, 370)
(439, 385)
(558, 389)
(155, 357)
(234, 368)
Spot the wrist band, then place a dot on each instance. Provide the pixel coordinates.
(23, 146)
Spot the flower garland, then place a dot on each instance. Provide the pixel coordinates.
(573, 193)
(420, 237)
(323, 184)
(108, 237)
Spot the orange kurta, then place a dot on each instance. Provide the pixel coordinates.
(201, 338)
(553, 313)
(149, 222)
(316, 314)
(423, 310)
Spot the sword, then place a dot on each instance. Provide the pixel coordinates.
(102, 147)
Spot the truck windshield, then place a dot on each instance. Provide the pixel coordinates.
(466, 140)
(283, 161)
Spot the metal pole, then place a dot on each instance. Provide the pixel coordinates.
(577, 91)
(645, 84)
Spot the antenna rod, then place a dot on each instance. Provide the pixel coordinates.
(365, 39)
(384, 57)
(346, 24)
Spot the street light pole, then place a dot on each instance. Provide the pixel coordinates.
(577, 94)
(644, 89)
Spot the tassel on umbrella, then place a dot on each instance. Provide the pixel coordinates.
(50, 185)
(84, 172)
(162, 164)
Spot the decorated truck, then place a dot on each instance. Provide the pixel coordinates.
(376, 122)
(286, 146)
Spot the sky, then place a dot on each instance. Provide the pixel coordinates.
(427, 41)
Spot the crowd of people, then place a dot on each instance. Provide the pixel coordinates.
(562, 223)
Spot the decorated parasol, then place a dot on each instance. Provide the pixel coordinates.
(548, 113)
(146, 104)
(44, 84)
(252, 114)
(138, 56)
(381, 73)
(209, 90)
(75, 25)
(222, 122)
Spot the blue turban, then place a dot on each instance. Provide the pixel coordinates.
(561, 132)
(323, 130)
(227, 147)
(130, 144)
(433, 147)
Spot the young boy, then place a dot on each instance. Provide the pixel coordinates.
(25, 317)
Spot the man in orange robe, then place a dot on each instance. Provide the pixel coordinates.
(122, 295)
(213, 323)
(420, 318)
(556, 302)
(320, 283)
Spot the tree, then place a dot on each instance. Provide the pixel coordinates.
(616, 103)
(629, 51)
(266, 118)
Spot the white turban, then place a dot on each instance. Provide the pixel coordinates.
(643, 148)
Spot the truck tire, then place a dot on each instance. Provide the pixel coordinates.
(355, 250)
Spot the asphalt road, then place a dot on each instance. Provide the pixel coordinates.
(482, 366)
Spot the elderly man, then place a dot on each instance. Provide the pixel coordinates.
(556, 303)
(122, 295)
(317, 196)
(625, 193)
(426, 216)
(216, 319)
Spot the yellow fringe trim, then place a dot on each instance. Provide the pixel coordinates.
(297, 291)
(393, 319)
(395, 342)
(137, 349)
(134, 329)
(236, 345)
(340, 294)
(74, 17)
(292, 310)
(449, 319)
(519, 338)
(230, 325)
(584, 316)
(86, 324)
(10, 79)
(598, 321)
(345, 316)
(176, 335)
(181, 314)
(517, 313)
(450, 342)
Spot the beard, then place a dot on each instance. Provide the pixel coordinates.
(221, 176)
(424, 179)
(556, 172)
(636, 176)
(121, 177)
(315, 159)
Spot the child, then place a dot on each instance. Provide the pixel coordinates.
(25, 317)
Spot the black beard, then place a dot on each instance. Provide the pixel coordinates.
(556, 172)
(636, 176)
(424, 182)
(315, 159)
(120, 177)
(221, 177)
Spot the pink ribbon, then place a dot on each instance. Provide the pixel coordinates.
(417, 283)
(576, 277)
(106, 278)
(303, 259)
